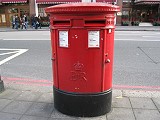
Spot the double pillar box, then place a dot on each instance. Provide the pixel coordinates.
(82, 40)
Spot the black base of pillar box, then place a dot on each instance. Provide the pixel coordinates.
(82, 105)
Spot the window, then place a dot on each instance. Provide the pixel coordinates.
(125, 13)
(2, 11)
(13, 10)
(41, 12)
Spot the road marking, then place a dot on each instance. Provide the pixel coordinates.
(150, 36)
(16, 53)
(28, 81)
(8, 53)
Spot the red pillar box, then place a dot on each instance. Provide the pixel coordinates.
(82, 37)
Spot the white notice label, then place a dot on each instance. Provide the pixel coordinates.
(93, 39)
(63, 38)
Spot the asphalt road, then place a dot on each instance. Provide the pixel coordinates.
(27, 55)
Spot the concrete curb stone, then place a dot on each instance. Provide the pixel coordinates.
(117, 28)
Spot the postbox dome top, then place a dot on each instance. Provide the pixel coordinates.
(82, 8)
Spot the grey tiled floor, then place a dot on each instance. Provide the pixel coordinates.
(30, 105)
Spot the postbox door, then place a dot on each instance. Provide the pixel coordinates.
(79, 60)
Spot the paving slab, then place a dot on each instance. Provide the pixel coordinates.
(40, 109)
(10, 94)
(63, 119)
(46, 97)
(142, 103)
(121, 114)
(122, 102)
(117, 93)
(29, 96)
(23, 87)
(19, 107)
(104, 117)
(157, 102)
(4, 103)
(141, 93)
(8, 116)
(25, 117)
(55, 114)
(142, 114)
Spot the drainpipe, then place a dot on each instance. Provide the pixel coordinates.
(112, 2)
(158, 11)
(36, 8)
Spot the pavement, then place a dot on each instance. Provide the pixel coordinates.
(9, 29)
(137, 28)
(118, 28)
(29, 102)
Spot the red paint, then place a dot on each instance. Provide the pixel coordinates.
(77, 66)
(33, 82)
(54, 64)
